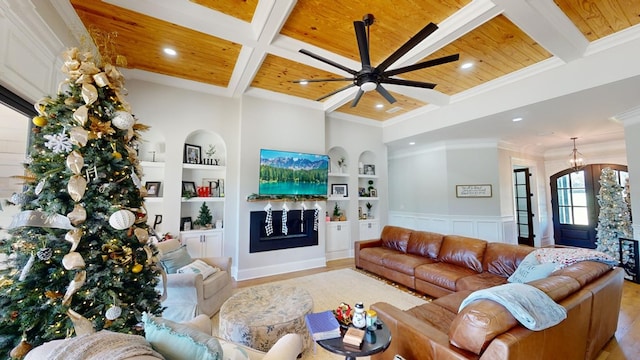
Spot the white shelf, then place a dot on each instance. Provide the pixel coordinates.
(363, 176)
(205, 199)
(365, 198)
(203, 167)
(337, 198)
(152, 164)
(338, 222)
(339, 174)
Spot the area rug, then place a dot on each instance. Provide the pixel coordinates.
(330, 288)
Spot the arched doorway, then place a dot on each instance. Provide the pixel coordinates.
(575, 206)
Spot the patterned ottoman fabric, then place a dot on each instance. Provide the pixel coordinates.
(259, 316)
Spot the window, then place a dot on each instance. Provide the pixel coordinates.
(572, 199)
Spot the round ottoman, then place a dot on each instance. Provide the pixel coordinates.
(259, 316)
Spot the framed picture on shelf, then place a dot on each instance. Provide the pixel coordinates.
(339, 190)
(188, 189)
(185, 223)
(369, 169)
(153, 188)
(192, 154)
(216, 186)
(373, 193)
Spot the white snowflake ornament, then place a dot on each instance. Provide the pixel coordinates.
(58, 143)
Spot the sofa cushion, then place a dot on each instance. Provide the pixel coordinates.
(503, 259)
(442, 274)
(376, 254)
(404, 263)
(452, 301)
(585, 271)
(479, 281)
(395, 237)
(477, 324)
(463, 251)
(425, 243)
(557, 287)
(177, 341)
(434, 314)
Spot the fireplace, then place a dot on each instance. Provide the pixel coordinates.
(300, 231)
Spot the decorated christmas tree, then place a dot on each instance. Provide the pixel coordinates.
(204, 217)
(614, 218)
(79, 247)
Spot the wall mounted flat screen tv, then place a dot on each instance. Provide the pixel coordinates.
(293, 173)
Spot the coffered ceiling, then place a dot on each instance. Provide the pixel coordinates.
(232, 47)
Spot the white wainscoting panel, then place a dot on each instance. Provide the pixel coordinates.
(490, 228)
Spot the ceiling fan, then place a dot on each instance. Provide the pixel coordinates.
(371, 78)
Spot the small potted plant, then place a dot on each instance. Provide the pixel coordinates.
(336, 213)
(369, 206)
(342, 163)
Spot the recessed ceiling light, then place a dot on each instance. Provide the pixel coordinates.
(466, 65)
(379, 106)
(516, 119)
(412, 143)
(303, 82)
(170, 51)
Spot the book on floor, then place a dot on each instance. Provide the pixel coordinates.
(322, 325)
(353, 337)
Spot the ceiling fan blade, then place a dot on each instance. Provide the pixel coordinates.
(327, 61)
(363, 43)
(387, 95)
(415, 40)
(335, 92)
(419, 84)
(322, 80)
(357, 99)
(422, 65)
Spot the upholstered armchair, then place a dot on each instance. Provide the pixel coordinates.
(189, 295)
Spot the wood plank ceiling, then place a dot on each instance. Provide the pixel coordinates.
(492, 42)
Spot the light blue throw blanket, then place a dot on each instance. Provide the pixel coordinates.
(534, 309)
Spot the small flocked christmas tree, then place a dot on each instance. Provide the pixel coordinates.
(614, 218)
(79, 248)
(204, 217)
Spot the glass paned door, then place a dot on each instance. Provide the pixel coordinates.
(524, 215)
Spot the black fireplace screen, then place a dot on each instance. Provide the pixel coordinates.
(300, 231)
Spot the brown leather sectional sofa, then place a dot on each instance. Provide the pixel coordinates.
(449, 268)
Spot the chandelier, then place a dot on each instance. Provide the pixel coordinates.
(576, 160)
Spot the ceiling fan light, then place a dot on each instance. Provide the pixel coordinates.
(368, 86)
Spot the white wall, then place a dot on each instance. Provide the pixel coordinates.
(272, 125)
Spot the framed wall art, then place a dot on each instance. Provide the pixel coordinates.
(340, 190)
(473, 191)
(185, 223)
(192, 154)
(188, 189)
(153, 188)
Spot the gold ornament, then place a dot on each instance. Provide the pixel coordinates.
(136, 268)
(99, 128)
(116, 155)
(78, 215)
(75, 162)
(89, 94)
(76, 187)
(39, 121)
(73, 260)
(101, 79)
(73, 236)
(21, 350)
(81, 115)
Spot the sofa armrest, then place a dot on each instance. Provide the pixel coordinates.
(415, 339)
(362, 244)
(287, 347)
(223, 262)
(184, 280)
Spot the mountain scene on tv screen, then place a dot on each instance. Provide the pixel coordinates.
(285, 173)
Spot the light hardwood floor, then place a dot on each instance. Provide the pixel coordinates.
(625, 345)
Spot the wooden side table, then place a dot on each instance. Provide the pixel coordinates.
(375, 341)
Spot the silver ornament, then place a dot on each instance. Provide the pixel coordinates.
(113, 313)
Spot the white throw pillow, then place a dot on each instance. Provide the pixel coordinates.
(198, 267)
(531, 269)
